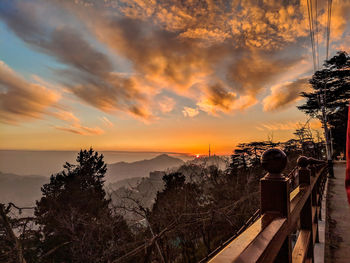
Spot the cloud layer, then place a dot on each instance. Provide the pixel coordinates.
(222, 56)
(21, 100)
(90, 73)
(288, 126)
(285, 94)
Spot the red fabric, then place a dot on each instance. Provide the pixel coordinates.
(347, 178)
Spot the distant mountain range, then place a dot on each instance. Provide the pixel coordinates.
(123, 170)
(45, 163)
(24, 190)
(21, 190)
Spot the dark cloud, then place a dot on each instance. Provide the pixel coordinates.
(221, 97)
(252, 72)
(285, 94)
(69, 47)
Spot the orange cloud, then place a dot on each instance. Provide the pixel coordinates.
(65, 116)
(285, 94)
(90, 73)
(81, 130)
(254, 71)
(166, 104)
(217, 98)
(288, 125)
(73, 124)
(340, 18)
(190, 112)
(215, 35)
(181, 46)
(267, 24)
(25, 101)
(106, 121)
(166, 61)
(21, 100)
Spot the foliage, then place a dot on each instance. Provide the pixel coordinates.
(8, 250)
(199, 208)
(331, 86)
(76, 222)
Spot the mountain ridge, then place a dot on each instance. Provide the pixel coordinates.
(123, 170)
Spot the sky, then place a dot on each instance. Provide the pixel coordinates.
(149, 75)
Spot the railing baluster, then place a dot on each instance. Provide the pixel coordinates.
(314, 199)
(282, 213)
(275, 194)
(306, 220)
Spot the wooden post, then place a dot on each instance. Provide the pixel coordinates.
(314, 201)
(315, 165)
(275, 197)
(304, 172)
(315, 189)
(306, 221)
(323, 180)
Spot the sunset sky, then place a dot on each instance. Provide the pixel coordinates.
(148, 75)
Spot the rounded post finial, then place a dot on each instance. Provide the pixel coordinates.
(303, 161)
(304, 172)
(274, 161)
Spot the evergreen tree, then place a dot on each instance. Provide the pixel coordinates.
(172, 207)
(75, 219)
(331, 85)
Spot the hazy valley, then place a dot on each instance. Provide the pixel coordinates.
(23, 190)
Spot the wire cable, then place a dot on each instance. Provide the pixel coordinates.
(317, 33)
(329, 18)
(311, 29)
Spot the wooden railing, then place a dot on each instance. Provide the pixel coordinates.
(287, 210)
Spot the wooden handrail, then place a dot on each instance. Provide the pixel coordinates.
(282, 213)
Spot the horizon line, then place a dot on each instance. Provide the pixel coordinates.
(124, 151)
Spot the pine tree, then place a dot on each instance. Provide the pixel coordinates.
(75, 219)
(331, 86)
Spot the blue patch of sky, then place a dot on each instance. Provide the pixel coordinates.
(24, 59)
